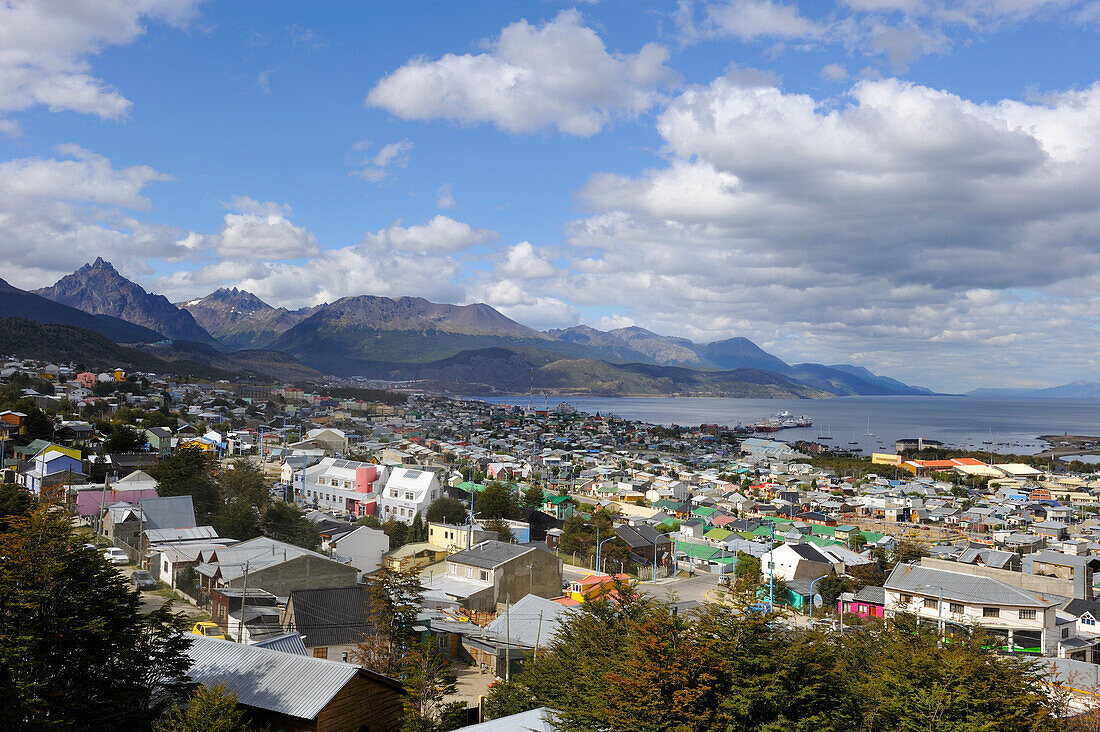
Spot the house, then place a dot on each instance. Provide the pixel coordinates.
(272, 565)
(1079, 569)
(455, 538)
(513, 636)
(407, 493)
(331, 620)
(593, 586)
(869, 602)
(990, 558)
(1020, 619)
(159, 439)
(799, 561)
(486, 575)
(53, 466)
(245, 614)
(363, 547)
(286, 691)
(344, 486)
(329, 439)
(645, 543)
(168, 512)
(560, 507)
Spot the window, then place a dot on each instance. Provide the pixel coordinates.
(957, 608)
(1027, 615)
(454, 569)
(469, 571)
(931, 602)
(320, 652)
(1065, 632)
(906, 599)
(1087, 619)
(991, 612)
(483, 576)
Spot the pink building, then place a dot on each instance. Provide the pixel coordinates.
(87, 379)
(870, 602)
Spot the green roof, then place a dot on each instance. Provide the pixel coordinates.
(846, 527)
(470, 487)
(728, 559)
(703, 511)
(696, 551)
(823, 530)
(718, 534)
(665, 503)
(555, 498)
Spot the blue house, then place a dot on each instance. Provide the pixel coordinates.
(54, 465)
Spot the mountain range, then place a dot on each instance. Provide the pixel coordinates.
(1074, 390)
(471, 348)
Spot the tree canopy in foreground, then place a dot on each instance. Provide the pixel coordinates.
(716, 668)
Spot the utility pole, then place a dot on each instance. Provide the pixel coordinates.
(507, 638)
(244, 599)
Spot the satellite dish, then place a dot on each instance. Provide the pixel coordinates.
(817, 600)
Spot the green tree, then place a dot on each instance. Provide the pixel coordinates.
(370, 522)
(15, 501)
(394, 602)
(747, 570)
(576, 535)
(857, 541)
(210, 709)
(123, 439)
(75, 652)
(397, 531)
(427, 678)
(502, 529)
(244, 480)
(446, 510)
(533, 498)
(238, 519)
(496, 501)
(188, 473)
(286, 522)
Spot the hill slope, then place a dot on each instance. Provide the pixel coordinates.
(99, 289)
(70, 344)
(16, 303)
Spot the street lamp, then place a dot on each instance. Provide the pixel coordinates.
(599, 550)
(812, 583)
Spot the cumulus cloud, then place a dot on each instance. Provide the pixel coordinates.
(59, 212)
(523, 262)
(46, 46)
(516, 300)
(376, 168)
(255, 230)
(558, 74)
(397, 260)
(904, 215)
(834, 72)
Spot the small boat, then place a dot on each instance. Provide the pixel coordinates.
(828, 436)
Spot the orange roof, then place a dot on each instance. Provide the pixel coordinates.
(968, 461)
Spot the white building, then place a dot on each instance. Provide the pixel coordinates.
(343, 486)
(1020, 618)
(408, 492)
(363, 547)
(799, 561)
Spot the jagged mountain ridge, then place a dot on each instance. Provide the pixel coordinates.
(99, 289)
(16, 303)
(240, 320)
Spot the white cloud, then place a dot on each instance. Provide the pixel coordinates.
(523, 262)
(46, 46)
(419, 260)
(516, 300)
(263, 80)
(444, 197)
(558, 74)
(750, 20)
(58, 213)
(376, 168)
(441, 234)
(904, 217)
(254, 231)
(834, 72)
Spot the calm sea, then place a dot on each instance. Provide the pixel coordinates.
(998, 425)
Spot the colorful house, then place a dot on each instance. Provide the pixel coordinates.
(870, 602)
(593, 587)
(560, 507)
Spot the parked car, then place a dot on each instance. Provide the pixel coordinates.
(208, 629)
(143, 579)
(114, 555)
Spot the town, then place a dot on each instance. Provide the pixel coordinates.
(271, 516)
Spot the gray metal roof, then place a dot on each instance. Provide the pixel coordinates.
(287, 643)
(489, 554)
(531, 620)
(536, 720)
(169, 512)
(966, 588)
(298, 686)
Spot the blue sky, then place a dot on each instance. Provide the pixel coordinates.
(911, 185)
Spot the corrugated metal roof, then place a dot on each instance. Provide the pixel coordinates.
(287, 643)
(298, 686)
(536, 720)
(168, 512)
(489, 554)
(531, 620)
(966, 588)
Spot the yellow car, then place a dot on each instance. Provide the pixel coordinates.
(208, 629)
